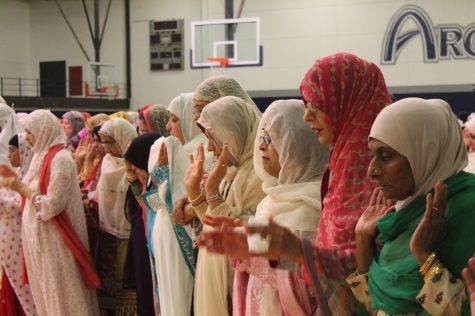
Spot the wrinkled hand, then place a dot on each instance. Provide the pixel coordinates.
(227, 241)
(219, 172)
(6, 172)
(219, 221)
(469, 276)
(183, 212)
(377, 208)
(162, 156)
(432, 225)
(194, 173)
(283, 243)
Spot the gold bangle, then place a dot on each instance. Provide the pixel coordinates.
(428, 263)
(435, 269)
(199, 198)
(33, 197)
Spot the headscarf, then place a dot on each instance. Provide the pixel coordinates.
(426, 132)
(294, 196)
(96, 120)
(182, 107)
(156, 118)
(220, 86)
(131, 116)
(470, 125)
(76, 119)
(351, 92)
(139, 150)
(10, 126)
(48, 132)
(121, 131)
(232, 120)
(26, 155)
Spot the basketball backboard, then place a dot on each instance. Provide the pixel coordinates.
(101, 80)
(236, 39)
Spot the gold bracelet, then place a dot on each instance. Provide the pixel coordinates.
(428, 263)
(200, 198)
(435, 269)
(33, 197)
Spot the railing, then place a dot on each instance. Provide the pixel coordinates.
(26, 87)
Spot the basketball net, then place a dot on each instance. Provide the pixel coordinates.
(219, 65)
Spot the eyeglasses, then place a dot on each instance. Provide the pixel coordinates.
(108, 144)
(265, 139)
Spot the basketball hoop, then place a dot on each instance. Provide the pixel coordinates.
(219, 63)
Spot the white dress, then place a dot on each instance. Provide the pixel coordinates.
(54, 277)
(175, 281)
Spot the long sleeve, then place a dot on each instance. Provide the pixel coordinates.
(62, 178)
(443, 294)
(358, 284)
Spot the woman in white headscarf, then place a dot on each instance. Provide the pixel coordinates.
(9, 126)
(232, 189)
(290, 162)
(54, 234)
(112, 186)
(20, 155)
(173, 248)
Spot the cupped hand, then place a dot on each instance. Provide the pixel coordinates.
(377, 208)
(162, 156)
(432, 225)
(218, 173)
(194, 173)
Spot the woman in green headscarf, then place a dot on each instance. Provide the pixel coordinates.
(422, 214)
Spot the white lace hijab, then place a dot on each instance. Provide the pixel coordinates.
(10, 126)
(48, 132)
(113, 185)
(427, 133)
(220, 86)
(293, 198)
(26, 155)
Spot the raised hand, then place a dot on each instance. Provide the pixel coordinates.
(219, 172)
(469, 276)
(283, 243)
(194, 173)
(227, 241)
(220, 221)
(378, 207)
(162, 156)
(82, 149)
(432, 225)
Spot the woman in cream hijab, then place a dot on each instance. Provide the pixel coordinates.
(111, 192)
(232, 189)
(172, 245)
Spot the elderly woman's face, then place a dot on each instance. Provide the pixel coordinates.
(68, 128)
(174, 127)
(110, 146)
(391, 170)
(30, 138)
(269, 155)
(470, 140)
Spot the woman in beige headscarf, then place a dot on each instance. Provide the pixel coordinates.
(232, 189)
(217, 87)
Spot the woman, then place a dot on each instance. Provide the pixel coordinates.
(417, 271)
(85, 155)
(9, 127)
(172, 244)
(54, 235)
(73, 123)
(154, 119)
(136, 161)
(343, 95)
(217, 87)
(290, 162)
(16, 299)
(232, 189)
(115, 134)
(470, 132)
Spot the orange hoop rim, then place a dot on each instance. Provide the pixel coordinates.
(223, 61)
